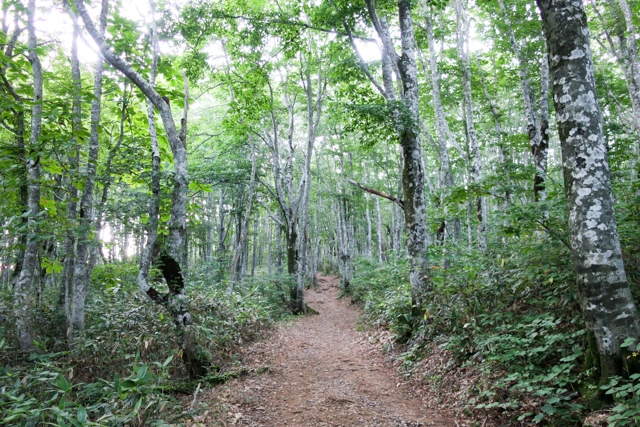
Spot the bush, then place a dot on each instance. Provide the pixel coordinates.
(626, 393)
(122, 368)
(510, 313)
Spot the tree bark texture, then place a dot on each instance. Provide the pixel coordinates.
(412, 173)
(404, 66)
(83, 267)
(442, 127)
(68, 273)
(147, 256)
(21, 292)
(536, 130)
(608, 306)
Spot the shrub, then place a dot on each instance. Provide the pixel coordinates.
(122, 368)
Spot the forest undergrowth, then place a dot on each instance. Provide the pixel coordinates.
(126, 369)
(502, 335)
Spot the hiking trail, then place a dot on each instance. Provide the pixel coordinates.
(322, 372)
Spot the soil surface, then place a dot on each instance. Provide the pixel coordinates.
(320, 371)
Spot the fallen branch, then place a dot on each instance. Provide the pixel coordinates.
(195, 396)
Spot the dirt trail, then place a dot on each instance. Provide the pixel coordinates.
(322, 372)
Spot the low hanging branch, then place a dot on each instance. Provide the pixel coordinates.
(400, 202)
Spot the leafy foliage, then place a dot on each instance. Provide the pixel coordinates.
(512, 314)
(122, 371)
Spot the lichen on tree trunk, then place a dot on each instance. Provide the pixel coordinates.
(608, 306)
(21, 291)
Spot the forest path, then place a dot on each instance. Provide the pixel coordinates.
(322, 372)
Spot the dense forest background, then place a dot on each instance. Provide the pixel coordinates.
(175, 173)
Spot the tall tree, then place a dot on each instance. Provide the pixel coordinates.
(475, 161)
(87, 221)
(315, 93)
(443, 133)
(409, 135)
(537, 127)
(620, 34)
(22, 289)
(609, 309)
(170, 255)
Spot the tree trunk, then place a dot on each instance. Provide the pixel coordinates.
(269, 248)
(21, 292)
(368, 248)
(314, 109)
(475, 163)
(626, 55)
(540, 154)
(279, 252)
(254, 256)
(607, 303)
(537, 142)
(411, 149)
(343, 232)
(84, 266)
(68, 273)
(502, 151)
(442, 127)
(146, 259)
(244, 230)
(20, 132)
(379, 230)
(176, 300)
(632, 68)
(221, 233)
(413, 174)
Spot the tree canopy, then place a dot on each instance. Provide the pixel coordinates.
(184, 169)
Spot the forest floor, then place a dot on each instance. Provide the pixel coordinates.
(319, 370)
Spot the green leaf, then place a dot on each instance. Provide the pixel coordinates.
(138, 404)
(628, 342)
(142, 371)
(52, 168)
(63, 384)
(127, 384)
(525, 415)
(82, 414)
(166, 362)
